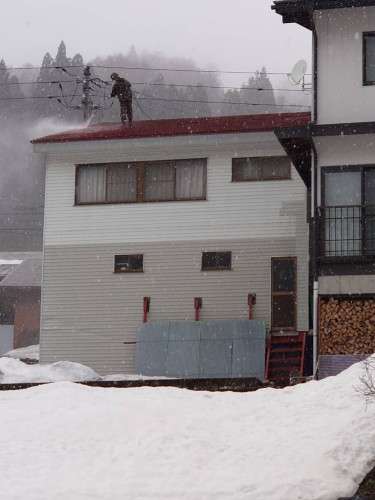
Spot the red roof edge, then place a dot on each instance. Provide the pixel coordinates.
(180, 126)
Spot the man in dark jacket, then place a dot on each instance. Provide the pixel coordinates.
(123, 90)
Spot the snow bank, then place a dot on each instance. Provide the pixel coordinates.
(18, 372)
(64, 441)
(13, 371)
(29, 352)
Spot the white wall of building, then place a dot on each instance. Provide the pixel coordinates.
(232, 210)
(342, 97)
(88, 311)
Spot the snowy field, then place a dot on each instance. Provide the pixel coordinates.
(69, 442)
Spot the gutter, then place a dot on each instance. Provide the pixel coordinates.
(315, 203)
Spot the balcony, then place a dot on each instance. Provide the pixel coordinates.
(346, 232)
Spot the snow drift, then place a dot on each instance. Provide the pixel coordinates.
(65, 441)
(13, 371)
(29, 352)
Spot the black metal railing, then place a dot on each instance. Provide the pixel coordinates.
(346, 231)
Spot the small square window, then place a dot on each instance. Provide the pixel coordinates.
(129, 263)
(216, 261)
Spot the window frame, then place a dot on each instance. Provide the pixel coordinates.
(361, 168)
(293, 294)
(140, 182)
(288, 178)
(344, 168)
(130, 271)
(220, 268)
(365, 82)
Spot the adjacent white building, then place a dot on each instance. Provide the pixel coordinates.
(337, 152)
(141, 221)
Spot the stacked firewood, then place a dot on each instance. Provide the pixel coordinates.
(347, 326)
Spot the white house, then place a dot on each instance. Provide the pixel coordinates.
(169, 220)
(341, 145)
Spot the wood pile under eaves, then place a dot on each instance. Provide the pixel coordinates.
(347, 326)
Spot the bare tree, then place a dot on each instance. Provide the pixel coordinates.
(367, 387)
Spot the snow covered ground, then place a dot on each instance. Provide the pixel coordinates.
(69, 442)
(29, 352)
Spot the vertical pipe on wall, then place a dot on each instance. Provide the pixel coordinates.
(315, 73)
(314, 255)
(315, 327)
(314, 208)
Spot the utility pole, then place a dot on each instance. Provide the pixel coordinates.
(87, 102)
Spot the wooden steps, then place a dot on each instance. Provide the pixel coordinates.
(285, 358)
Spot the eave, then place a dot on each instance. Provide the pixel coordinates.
(301, 11)
(339, 129)
(296, 142)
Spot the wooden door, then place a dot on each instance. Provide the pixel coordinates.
(284, 293)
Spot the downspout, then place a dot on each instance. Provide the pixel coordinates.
(315, 203)
(315, 260)
(315, 72)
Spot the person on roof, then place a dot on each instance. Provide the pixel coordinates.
(122, 89)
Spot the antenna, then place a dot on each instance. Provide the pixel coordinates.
(297, 75)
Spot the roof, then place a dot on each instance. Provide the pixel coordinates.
(300, 11)
(178, 127)
(21, 269)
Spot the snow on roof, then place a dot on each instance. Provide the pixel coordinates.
(180, 126)
(9, 262)
(21, 269)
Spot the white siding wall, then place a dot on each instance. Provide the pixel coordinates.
(88, 311)
(341, 94)
(232, 210)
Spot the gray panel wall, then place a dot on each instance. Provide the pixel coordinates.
(88, 311)
(202, 349)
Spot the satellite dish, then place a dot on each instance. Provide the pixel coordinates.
(298, 72)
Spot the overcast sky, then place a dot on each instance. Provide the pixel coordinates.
(231, 35)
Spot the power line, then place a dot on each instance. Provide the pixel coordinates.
(225, 102)
(190, 70)
(35, 83)
(153, 84)
(167, 100)
(38, 230)
(145, 68)
(38, 97)
(199, 86)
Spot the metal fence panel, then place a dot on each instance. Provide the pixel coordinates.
(202, 349)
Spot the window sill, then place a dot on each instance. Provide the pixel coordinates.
(216, 269)
(128, 272)
(262, 180)
(89, 204)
